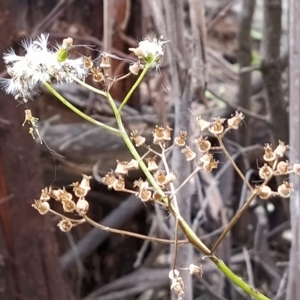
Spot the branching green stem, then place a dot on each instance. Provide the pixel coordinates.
(189, 233)
(78, 112)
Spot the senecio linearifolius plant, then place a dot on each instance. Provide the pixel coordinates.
(41, 66)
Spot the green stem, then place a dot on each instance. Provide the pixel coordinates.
(79, 112)
(136, 84)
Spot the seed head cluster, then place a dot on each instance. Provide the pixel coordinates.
(38, 65)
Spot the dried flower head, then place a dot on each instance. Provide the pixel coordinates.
(160, 177)
(210, 165)
(157, 197)
(41, 206)
(88, 62)
(151, 51)
(45, 194)
(65, 225)
(137, 139)
(82, 206)
(265, 172)
(64, 195)
(217, 127)
(180, 140)
(38, 66)
(110, 179)
(189, 153)
(158, 134)
(121, 168)
(151, 164)
(285, 189)
(68, 206)
(195, 270)
(105, 63)
(264, 192)
(177, 284)
(283, 167)
(235, 121)
(132, 165)
(135, 68)
(281, 149)
(97, 74)
(54, 194)
(269, 155)
(203, 144)
(119, 185)
(202, 123)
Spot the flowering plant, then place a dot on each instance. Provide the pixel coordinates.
(42, 66)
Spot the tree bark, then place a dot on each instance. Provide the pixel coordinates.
(30, 264)
(293, 290)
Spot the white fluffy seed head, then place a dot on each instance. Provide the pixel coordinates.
(38, 65)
